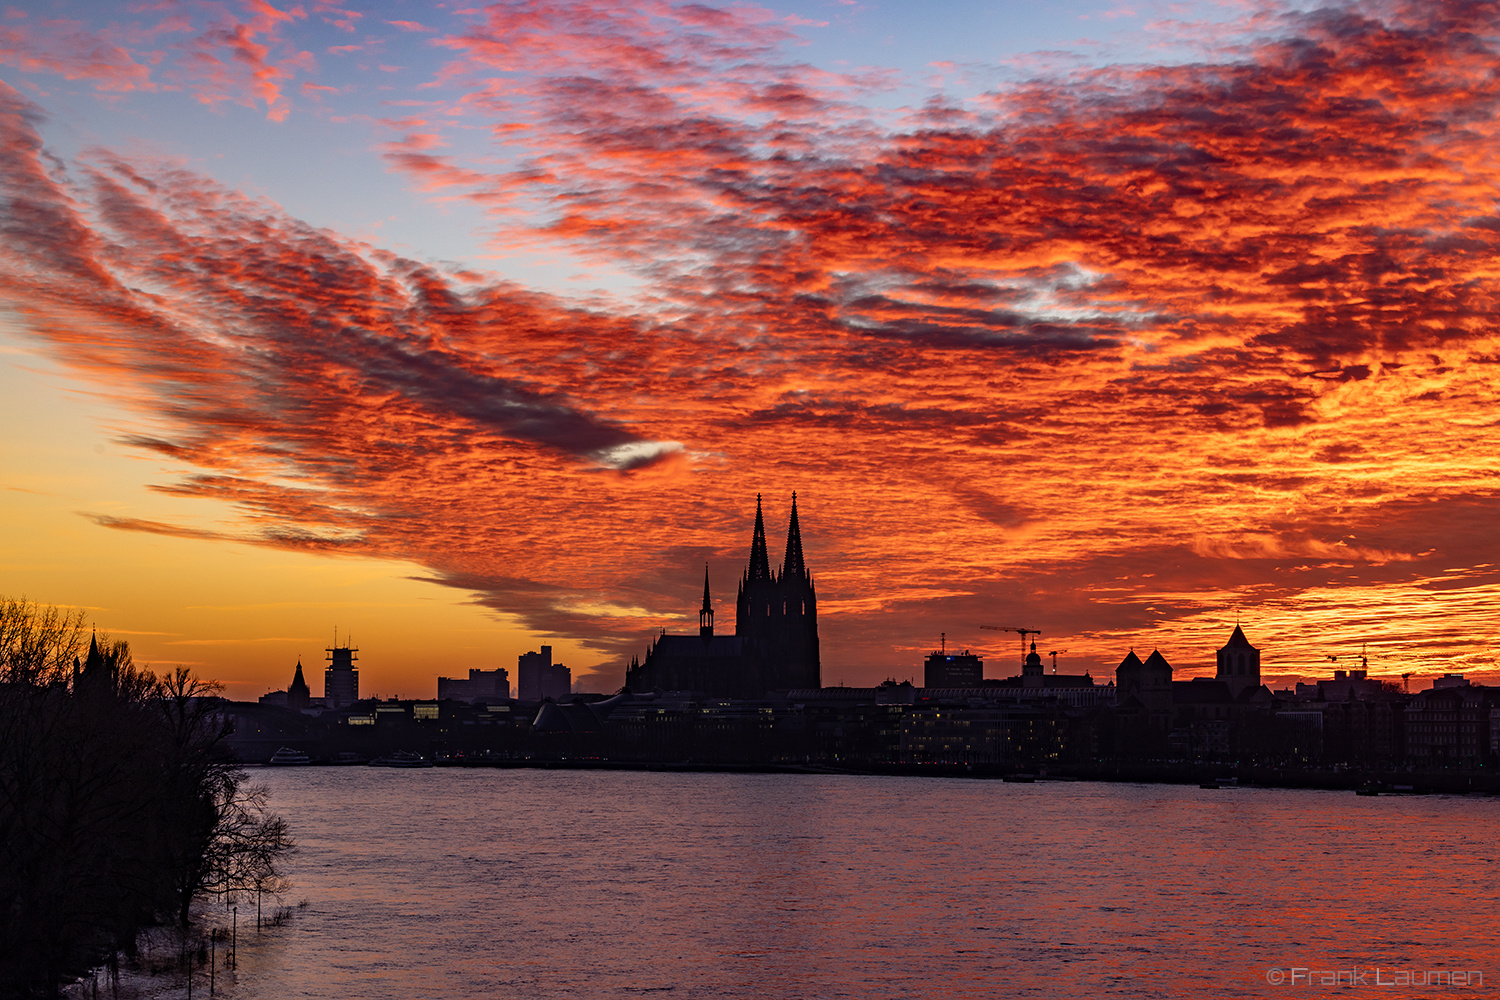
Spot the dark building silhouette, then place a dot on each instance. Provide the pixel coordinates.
(1448, 725)
(1151, 725)
(1148, 685)
(953, 670)
(1239, 663)
(538, 678)
(481, 685)
(775, 641)
(1143, 704)
(99, 674)
(297, 693)
(341, 679)
(1203, 717)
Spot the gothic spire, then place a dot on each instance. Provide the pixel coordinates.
(706, 613)
(95, 660)
(793, 564)
(760, 563)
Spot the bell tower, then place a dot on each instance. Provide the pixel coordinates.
(1239, 663)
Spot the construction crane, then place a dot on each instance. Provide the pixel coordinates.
(1053, 654)
(1406, 683)
(1024, 633)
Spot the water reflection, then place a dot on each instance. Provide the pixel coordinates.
(459, 884)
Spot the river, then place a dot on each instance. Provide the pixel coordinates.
(452, 883)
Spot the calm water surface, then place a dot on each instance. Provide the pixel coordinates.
(451, 883)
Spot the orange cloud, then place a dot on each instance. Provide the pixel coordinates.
(1114, 353)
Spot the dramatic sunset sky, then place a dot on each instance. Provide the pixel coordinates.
(471, 327)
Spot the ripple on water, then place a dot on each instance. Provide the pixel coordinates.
(537, 883)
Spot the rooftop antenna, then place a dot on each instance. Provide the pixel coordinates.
(944, 641)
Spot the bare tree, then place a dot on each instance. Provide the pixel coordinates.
(224, 839)
(38, 644)
(247, 848)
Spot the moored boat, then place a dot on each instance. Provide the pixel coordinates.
(286, 755)
(401, 758)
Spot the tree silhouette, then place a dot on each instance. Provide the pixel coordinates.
(119, 800)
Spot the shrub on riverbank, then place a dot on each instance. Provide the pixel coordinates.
(119, 801)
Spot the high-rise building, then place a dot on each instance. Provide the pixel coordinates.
(953, 670)
(341, 679)
(538, 678)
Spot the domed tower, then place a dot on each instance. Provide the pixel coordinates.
(1032, 675)
(1239, 663)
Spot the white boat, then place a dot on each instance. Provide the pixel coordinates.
(286, 755)
(401, 758)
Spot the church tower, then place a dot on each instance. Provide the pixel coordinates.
(298, 696)
(754, 600)
(1239, 663)
(776, 615)
(706, 613)
(799, 608)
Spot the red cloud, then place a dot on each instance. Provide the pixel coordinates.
(234, 61)
(68, 49)
(214, 56)
(1114, 350)
(340, 18)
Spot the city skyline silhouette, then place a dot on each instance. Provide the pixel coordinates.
(1116, 325)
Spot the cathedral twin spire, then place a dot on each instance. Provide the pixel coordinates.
(760, 561)
(793, 565)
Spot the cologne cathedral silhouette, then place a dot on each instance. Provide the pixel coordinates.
(775, 641)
